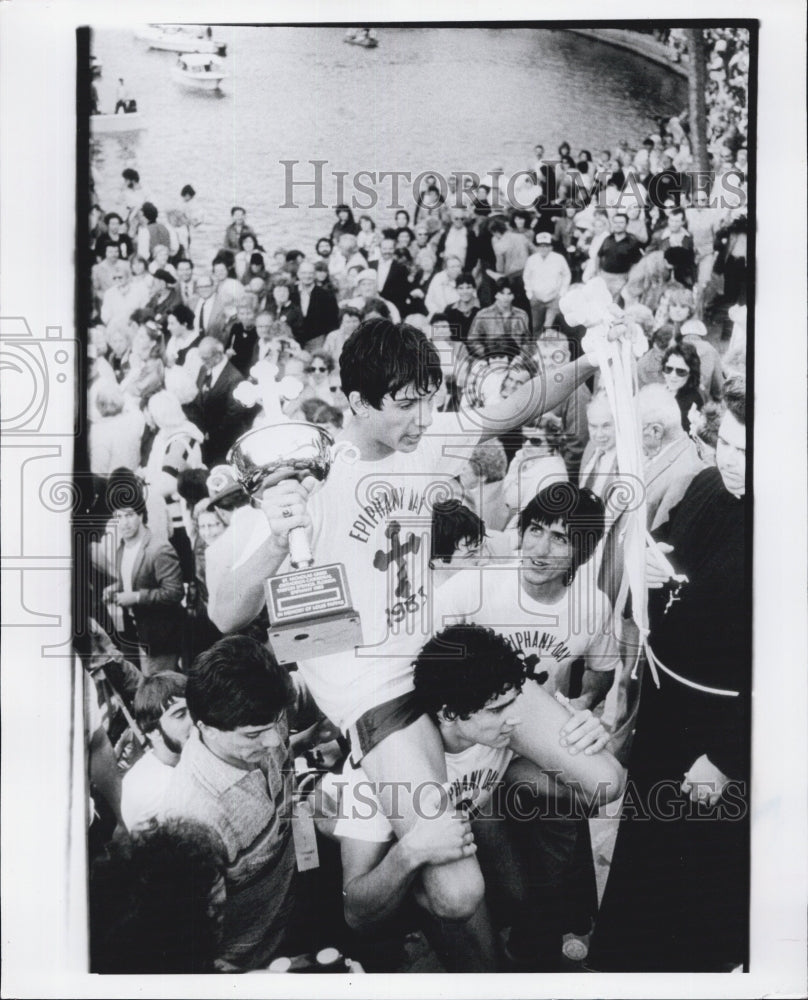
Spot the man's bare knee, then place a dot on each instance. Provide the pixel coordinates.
(453, 892)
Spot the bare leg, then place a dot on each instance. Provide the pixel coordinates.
(595, 777)
(403, 767)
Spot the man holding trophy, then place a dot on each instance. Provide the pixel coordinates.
(369, 516)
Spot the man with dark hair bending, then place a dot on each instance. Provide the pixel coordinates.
(373, 515)
(235, 777)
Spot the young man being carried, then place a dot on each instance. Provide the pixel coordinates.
(373, 515)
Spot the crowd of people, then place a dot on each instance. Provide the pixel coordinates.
(443, 772)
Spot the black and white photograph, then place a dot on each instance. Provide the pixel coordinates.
(404, 509)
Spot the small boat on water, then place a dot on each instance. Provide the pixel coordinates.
(198, 71)
(104, 124)
(366, 37)
(177, 38)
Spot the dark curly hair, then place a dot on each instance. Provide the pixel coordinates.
(464, 667)
(150, 902)
(688, 353)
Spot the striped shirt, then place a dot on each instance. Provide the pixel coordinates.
(250, 810)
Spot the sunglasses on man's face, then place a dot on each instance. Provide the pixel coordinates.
(675, 370)
(316, 368)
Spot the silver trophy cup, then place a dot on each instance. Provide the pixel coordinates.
(269, 455)
(309, 609)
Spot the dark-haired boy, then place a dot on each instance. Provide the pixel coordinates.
(547, 609)
(373, 515)
(238, 227)
(235, 777)
(499, 322)
(461, 314)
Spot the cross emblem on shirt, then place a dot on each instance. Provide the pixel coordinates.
(397, 554)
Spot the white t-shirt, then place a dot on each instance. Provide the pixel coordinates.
(142, 790)
(473, 775)
(552, 636)
(128, 558)
(375, 519)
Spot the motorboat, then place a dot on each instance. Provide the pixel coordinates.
(199, 71)
(366, 37)
(178, 38)
(122, 122)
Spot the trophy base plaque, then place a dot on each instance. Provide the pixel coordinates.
(310, 614)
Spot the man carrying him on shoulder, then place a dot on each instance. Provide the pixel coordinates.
(468, 679)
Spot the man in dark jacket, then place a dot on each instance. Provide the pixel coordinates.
(393, 281)
(318, 307)
(149, 586)
(215, 412)
(458, 239)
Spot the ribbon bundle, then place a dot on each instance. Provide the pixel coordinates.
(612, 342)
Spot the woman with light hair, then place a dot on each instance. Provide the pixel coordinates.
(114, 438)
(647, 280)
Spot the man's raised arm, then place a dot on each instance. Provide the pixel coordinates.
(533, 399)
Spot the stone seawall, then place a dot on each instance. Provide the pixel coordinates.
(636, 42)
